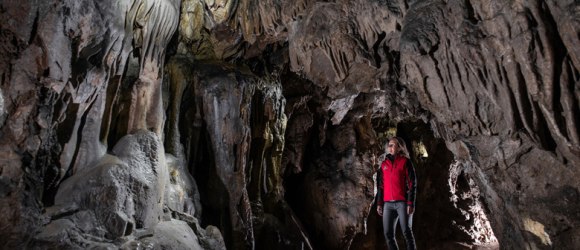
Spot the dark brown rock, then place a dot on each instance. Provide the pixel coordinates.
(496, 78)
(234, 153)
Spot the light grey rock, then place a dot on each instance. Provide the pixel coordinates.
(117, 203)
(181, 192)
(124, 192)
(2, 108)
(145, 158)
(213, 239)
(105, 189)
(77, 231)
(209, 238)
(174, 234)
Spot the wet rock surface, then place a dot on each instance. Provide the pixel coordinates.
(258, 124)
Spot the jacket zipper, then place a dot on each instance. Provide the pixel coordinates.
(391, 178)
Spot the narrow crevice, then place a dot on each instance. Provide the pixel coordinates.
(559, 54)
(526, 112)
(34, 30)
(376, 46)
(71, 168)
(470, 13)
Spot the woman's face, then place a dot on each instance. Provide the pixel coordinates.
(392, 147)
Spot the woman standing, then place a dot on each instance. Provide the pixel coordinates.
(397, 186)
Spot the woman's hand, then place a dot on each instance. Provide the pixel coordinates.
(410, 210)
(380, 210)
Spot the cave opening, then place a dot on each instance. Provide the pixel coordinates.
(213, 193)
(449, 210)
(295, 188)
(449, 213)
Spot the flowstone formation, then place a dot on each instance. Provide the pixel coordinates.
(77, 172)
(254, 124)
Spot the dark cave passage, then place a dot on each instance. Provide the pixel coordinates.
(443, 219)
(448, 204)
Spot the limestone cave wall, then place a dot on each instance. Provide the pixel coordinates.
(213, 124)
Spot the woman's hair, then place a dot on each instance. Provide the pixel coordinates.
(402, 146)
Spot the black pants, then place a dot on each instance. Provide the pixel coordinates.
(391, 212)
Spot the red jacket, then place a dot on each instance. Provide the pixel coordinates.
(396, 180)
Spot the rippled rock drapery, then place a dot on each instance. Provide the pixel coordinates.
(66, 181)
(496, 80)
(231, 125)
(503, 85)
(335, 181)
(54, 74)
